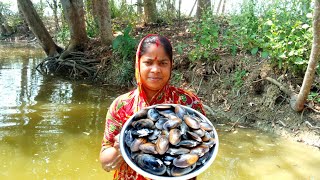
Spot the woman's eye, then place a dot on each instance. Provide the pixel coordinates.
(164, 63)
(147, 63)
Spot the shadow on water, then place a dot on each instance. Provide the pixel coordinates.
(52, 128)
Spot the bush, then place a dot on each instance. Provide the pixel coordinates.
(124, 54)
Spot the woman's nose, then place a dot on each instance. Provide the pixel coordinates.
(155, 68)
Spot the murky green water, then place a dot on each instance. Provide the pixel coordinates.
(52, 129)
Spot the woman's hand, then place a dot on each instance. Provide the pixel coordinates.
(110, 157)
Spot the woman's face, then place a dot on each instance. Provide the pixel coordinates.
(155, 68)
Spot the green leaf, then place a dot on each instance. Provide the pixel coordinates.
(254, 51)
(264, 54)
(215, 44)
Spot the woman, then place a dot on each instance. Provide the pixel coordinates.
(153, 70)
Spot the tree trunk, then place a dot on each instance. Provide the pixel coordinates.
(150, 11)
(203, 7)
(194, 4)
(219, 5)
(38, 28)
(104, 21)
(223, 6)
(139, 7)
(74, 15)
(298, 101)
(54, 8)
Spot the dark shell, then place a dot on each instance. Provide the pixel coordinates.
(185, 160)
(148, 148)
(141, 114)
(128, 138)
(174, 136)
(160, 122)
(171, 124)
(203, 159)
(163, 107)
(151, 164)
(162, 144)
(184, 128)
(210, 143)
(194, 136)
(206, 126)
(188, 143)
(143, 123)
(199, 150)
(199, 132)
(153, 114)
(176, 171)
(141, 132)
(206, 136)
(136, 144)
(177, 151)
(191, 122)
(154, 135)
(180, 111)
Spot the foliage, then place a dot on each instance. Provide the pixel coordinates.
(124, 52)
(288, 35)
(314, 96)
(206, 38)
(63, 35)
(123, 12)
(276, 30)
(238, 78)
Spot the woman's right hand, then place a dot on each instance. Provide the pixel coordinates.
(110, 157)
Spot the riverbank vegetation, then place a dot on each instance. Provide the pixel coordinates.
(251, 61)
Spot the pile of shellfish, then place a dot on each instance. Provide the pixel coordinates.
(169, 140)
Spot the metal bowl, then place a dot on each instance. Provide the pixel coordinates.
(198, 170)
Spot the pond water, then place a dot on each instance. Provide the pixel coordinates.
(52, 128)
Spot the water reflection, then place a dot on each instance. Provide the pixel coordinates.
(52, 129)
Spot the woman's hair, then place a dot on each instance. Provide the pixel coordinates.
(156, 39)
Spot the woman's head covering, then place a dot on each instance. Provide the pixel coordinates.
(144, 43)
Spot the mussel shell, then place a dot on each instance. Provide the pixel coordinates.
(162, 144)
(141, 114)
(206, 126)
(171, 124)
(203, 159)
(194, 136)
(128, 138)
(163, 107)
(188, 143)
(177, 151)
(151, 164)
(154, 135)
(185, 160)
(199, 132)
(160, 122)
(210, 143)
(136, 144)
(168, 160)
(174, 136)
(143, 123)
(191, 122)
(184, 128)
(153, 114)
(148, 148)
(200, 150)
(176, 171)
(180, 111)
(206, 136)
(141, 132)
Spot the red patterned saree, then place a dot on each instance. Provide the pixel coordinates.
(127, 104)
